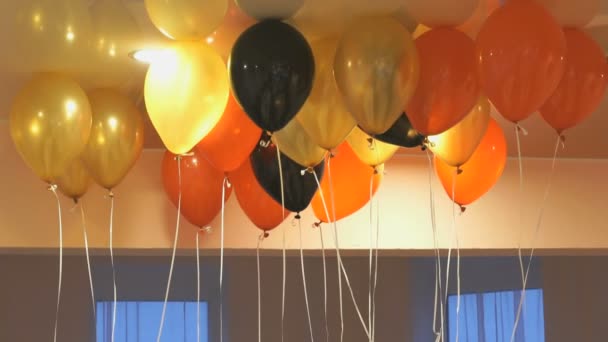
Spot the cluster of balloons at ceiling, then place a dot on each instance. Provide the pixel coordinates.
(285, 110)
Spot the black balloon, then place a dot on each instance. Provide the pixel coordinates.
(299, 186)
(402, 134)
(271, 70)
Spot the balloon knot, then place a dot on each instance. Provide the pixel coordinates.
(309, 169)
(332, 153)
(110, 194)
(265, 143)
(227, 183)
(375, 169)
(297, 217)
(52, 187)
(317, 224)
(371, 144)
(562, 139)
(520, 129)
(458, 170)
(462, 209)
(206, 230)
(427, 143)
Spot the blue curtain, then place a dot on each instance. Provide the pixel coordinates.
(490, 317)
(139, 322)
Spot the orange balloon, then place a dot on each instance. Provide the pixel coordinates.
(481, 172)
(475, 21)
(201, 187)
(582, 88)
(521, 51)
(235, 22)
(262, 210)
(448, 87)
(351, 178)
(231, 141)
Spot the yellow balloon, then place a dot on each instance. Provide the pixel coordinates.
(186, 91)
(371, 151)
(50, 123)
(293, 141)
(75, 181)
(456, 145)
(324, 115)
(117, 137)
(186, 19)
(376, 69)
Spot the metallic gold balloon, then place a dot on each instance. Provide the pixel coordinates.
(186, 91)
(75, 181)
(293, 141)
(50, 122)
(324, 115)
(117, 137)
(371, 151)
(376, 70)
(186, 19)
(456, 145)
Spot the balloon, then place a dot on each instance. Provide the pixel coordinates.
(570, 13)
(231, 141)
(270, 9)
(293, 141)
(370, 151)
(473, 24)
(376, 70)
(480, 172)
(456, 145)
(448, 86)
(75, 181)
(117, 137)
(235, 22)
(520, 64)
(324, 115)
(402, 134)
(50, 123)
(262, 210)
(271, 69)
(201, 187)
(299, 186)
(186, 19)
(351, 181)
(582, 88)
(437, 13)
(186, 93)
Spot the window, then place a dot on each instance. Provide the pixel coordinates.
(139, 321)
(490, 316)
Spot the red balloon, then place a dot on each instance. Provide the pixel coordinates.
(521, 51)
(582, 88)
(448, 86)
(231, 141)
(201, 187)
(480, 172)
(262, 210)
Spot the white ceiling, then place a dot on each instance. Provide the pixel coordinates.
(127, 25)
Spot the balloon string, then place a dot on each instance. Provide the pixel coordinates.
(373, 332)
(304, 282)
(53, 188)
(179, 210)
(340, 264)
(225, 185)
(455, 233)
(257, 254)
(371, 256)
(541, 213)
(334, 224)
(284, 247)
(86, 251)
(324, 283)
(198, 289)
(115, 294)
(438, 283)
(521, 210)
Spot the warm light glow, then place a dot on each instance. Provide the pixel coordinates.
(113, 123)
(210, 40)
(35, 128)
(70, 108)
(149, 56)
(40, 114)
(69, 34)
(112, 50)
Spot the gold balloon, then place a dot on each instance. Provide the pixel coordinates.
(324, 115)
(186, 91)
(376, 70)
(186, 19)
(117, 137)
(456, 145)
(50, 122)
(293, 141)
(371, 151)
(75, 181)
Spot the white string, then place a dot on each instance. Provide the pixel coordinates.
(536, 232)
(304, 281)
(318, 226)
(179, 210)
(438, 284)
(257, 253)
(334, 224)
(86, 251)
(225, 185)
(455, 233)
(340, 264)
(521, 214)
(53, 189)
(284, 280)
(115, 298)
(373, 329)
(198, 289)
(371, 249)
